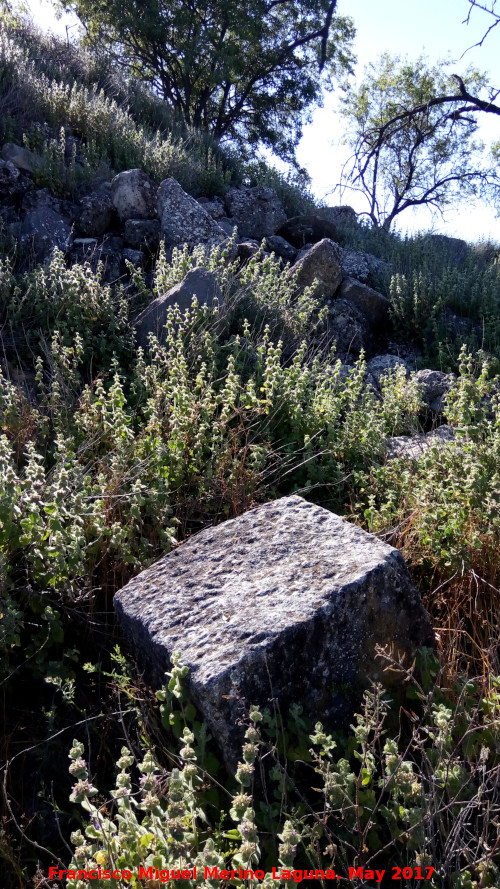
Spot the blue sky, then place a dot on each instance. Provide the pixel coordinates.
(401, 27)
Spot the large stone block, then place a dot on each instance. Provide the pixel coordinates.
(321, 263)
(288, 601)
(257, 211)
(183, 220)
(374, 305)
(133, 195)
(198, 282)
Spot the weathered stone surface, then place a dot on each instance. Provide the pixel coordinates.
(244, 250)
(286, 601)
(142, 233)
(42, 230)
(383, 364)
(455, 249)
(257, 211)
(411, 447)
(373, 304)
(435, 385)
(228, 226)
(133, 195)
(20, 157)
(136, 257)
(281, 248)
(301, 230)
(379, 270)
(12, 183)
(341, 215)
(322, 262)
(107, 253)
(348, 327)
(183, 220)
(214, 207)
(96, 215)
(354, 265)
(198, 282)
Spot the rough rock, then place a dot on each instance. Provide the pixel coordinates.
(107, 252)
(246, 249)
(341, 216)
(372, 303)
(355, 265)
(82, 249)
(136, 257)
(214, 207)
(134, 195)
(277, 245)
(142, 234)
(287, 601)
(435, 386)
(302, 230)
(96, 215)
(322, 262)
(379, 270)
(455, 249)
(348, 327)
(20, 157)
(257, 211)
(411, 447)
(228, 226)
(198, 282)
(12, 183)
(42, 230)
(183, 220)
(383, 364)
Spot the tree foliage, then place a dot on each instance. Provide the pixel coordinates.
(412, 131)
(245, 71)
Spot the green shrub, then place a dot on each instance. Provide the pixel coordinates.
(419, 796)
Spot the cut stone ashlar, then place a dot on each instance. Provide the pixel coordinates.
(286, 602)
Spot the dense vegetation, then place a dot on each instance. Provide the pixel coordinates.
(110, 455)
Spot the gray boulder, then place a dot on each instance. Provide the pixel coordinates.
(96, 215)
(277, 245)
(42, 230)
(288, 601)
(257, 211)
(142, 233)
(383, 364)
(136, 257)
(323, 262)
(349, 328)
(107, 254)
(309, 229)
(214, 207)
(198, 282)
(435, 385)
(20, 157)
(373, 304)
(12, 183)
(411, 447)
(341, 215)
(379, 270)
(355, 265)
(134, 195)
(227, 225)
(455, 250)
(183, 220)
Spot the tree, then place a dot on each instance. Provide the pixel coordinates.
(244, 70)
(490, 8)
(413, 133)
